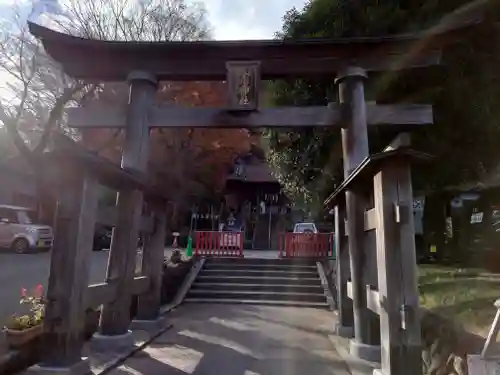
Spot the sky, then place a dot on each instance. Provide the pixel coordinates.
(232, 19)
(248, 19)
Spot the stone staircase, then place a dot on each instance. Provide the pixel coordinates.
(258, 281)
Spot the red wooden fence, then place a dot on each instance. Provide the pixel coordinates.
(223, 244)
(306, 245)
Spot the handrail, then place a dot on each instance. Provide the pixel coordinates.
(214, 243)
(492, 334)
(306, 245)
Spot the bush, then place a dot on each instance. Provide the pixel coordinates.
(445, 346)
(175, 270)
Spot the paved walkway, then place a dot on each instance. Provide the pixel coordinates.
(240, 340)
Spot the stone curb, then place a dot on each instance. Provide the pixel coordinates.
(184, 289)
(355, 366)
(179, 298)
(122, 358)
(326, 287)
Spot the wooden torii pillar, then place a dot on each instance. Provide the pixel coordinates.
(357, 277)
(114, 333)
(366, 342)
(394, 298)
(67, 291)
(77, 174)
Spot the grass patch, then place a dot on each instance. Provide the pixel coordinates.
(461, 295)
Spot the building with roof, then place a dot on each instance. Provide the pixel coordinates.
(254, 194)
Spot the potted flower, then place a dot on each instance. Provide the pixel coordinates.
(21, 329)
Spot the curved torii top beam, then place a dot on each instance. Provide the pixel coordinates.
(96, 60)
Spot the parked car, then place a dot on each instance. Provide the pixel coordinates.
(19, 232)
(305, 228)
(306, 232)
(230, 236)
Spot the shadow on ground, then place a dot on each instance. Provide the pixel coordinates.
(241, 340)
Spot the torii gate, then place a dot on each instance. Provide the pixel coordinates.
(243, 65)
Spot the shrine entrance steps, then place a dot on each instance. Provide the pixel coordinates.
(279, 282)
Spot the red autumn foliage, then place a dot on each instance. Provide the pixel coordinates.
(186, 163)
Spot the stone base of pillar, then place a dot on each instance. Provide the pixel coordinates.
(79, 368)
(378, 371)
(150, 326)
(367, 352)
(343, 331)
(112, 343)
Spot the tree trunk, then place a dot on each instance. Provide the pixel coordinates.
(46, 199)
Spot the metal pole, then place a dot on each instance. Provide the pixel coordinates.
(269, 230)
(211, 216)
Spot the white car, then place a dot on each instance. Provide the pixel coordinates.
(230, 238)
(305, 228)
(19, 233)
(304, 236)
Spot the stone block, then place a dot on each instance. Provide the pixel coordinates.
(367, 352)
(79, 368)
(112, 343)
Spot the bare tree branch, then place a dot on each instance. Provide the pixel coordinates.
(56, 113)
(37, 91)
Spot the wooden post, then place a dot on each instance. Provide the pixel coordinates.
(355, 150)
(115, 318)
(353, 117)
(397, 272)
(345, 322)
(69, 273)
(149, 304)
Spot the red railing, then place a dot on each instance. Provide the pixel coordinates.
(306, 245)
(223, 244)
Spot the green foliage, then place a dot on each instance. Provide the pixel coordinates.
(464, 92)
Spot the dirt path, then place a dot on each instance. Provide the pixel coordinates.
(241, 340)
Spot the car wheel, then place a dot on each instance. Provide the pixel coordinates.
(21, 246)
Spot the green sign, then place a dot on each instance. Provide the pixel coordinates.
(189, 248)
(334, 249)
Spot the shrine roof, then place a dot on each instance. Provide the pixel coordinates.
(257, 173)
(97, 60)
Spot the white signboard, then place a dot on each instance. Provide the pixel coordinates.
(476, 218)
(418, 204)
(418, 214)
